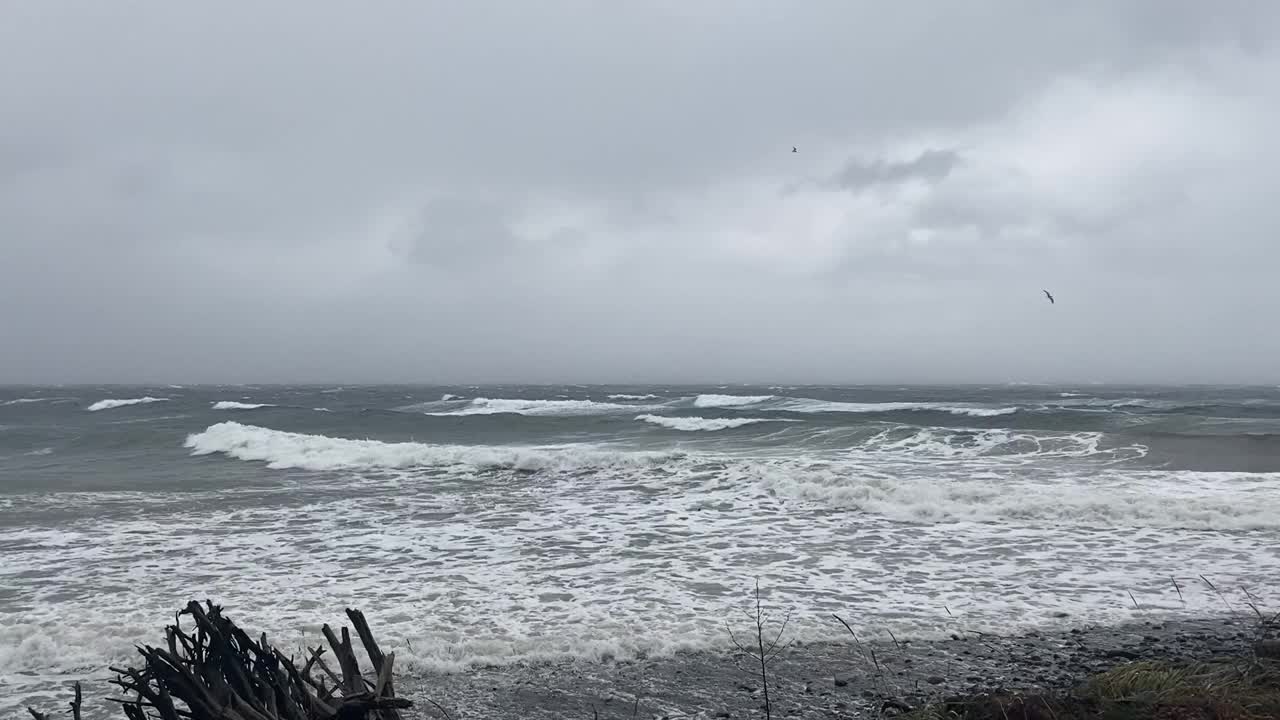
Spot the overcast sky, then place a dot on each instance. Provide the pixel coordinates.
(585, 191)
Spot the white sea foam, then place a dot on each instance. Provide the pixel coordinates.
(907, 444)
(725, 401)
(977, 480)
(1111, 498)
(693, 424)
(979, 411)
(1145, 403)
(449, 396)
(1135, 405)
(318, 452)
(111, 404)
(494, 406)
(233, 405)
(615, 565)
(24, 401)
(805, 405)
(625, 396)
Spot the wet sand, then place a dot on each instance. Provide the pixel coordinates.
(827, 680)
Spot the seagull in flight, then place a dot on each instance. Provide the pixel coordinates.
(1046, 294)
(793, 149)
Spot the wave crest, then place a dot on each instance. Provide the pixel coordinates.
(723, 401)
(280, 449)
(111, 403)
(694, 424)
(931, 444)
(1211, 501)
(233, 405)
(495, 406)
(805, 405)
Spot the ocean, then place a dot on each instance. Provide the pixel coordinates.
(511, 524)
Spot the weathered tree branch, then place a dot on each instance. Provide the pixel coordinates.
(219, 672)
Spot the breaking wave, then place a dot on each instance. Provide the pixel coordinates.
(494, 406)
(281, 449)
(625, 396)
(804, 405)
(1159, 406)
(808, 405)
(233, 405)
(932, 444)
(722, 401)
(694, 424)
(1185, 499)
(111, 404)
(973, 485)
(24, 401)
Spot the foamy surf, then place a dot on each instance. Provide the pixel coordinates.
(806, 405)
(281, 449)
(729, 401)
(605, 566)
(577, 528)
(111, 404)
(1187, 500)
(927, 445)
(695, 424)
(234, 405)
(495, 406)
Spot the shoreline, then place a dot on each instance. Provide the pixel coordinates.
(821, 680)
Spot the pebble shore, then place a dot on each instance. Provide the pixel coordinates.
(826, 680)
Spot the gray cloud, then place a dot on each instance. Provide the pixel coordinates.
(930, 165)
(453, 231)
(494, 191)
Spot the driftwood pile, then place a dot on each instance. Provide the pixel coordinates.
(216, 671)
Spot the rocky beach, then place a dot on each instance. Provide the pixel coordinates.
(827, 680)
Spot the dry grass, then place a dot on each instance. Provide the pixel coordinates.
(1247, 689)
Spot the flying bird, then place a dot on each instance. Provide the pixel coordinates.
(793, 149)
(1046, 294)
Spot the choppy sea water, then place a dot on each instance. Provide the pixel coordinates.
(492, 525)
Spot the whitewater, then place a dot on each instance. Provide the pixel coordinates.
(513, 524)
